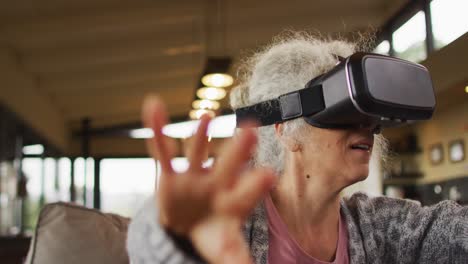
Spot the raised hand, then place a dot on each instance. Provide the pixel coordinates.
(207, 205)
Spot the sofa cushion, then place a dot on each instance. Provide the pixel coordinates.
(67, 233)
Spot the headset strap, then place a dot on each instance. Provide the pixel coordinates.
(304, 102)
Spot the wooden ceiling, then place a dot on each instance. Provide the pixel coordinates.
(98, 58)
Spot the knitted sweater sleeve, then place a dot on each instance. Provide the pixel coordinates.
(148, 242)
(403, 231)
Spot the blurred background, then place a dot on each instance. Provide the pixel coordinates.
(74, 74)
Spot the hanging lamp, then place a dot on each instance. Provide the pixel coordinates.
(215, 74)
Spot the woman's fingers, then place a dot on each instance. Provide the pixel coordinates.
(233, 158)
(246, 194)
(198, 147)
(154, 116)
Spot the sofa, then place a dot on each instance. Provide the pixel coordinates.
(68, 233)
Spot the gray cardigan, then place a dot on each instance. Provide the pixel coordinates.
(381, 230)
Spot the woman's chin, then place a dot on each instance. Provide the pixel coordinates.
(357, 170)
(358, 173)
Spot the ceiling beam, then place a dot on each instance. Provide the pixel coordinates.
(260, 33)
(110, 53)
(69, 29)
(155, 77)
(177, 84)
(18, 91)
(111, 105)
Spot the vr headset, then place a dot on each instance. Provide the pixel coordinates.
(362, 90)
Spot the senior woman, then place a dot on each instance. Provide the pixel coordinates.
(286, 208)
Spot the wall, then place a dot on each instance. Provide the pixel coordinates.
(449, 70)
(447, 125)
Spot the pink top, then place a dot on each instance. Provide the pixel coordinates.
(284, 249)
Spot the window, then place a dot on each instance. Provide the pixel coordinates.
(181, 164)
(8, 210)
(383, 48)
(33, 171)
(48, 180)
(84, 181)
(126, 184)
(449, 20)
(64, 179)
(51, 181)
(409, 39)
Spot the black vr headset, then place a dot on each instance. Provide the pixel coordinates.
(362, 90)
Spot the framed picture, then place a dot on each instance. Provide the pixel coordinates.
(436, 154)
(457, 150)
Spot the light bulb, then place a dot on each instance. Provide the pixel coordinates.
(217, 80)
(197, 113)
(205, 104)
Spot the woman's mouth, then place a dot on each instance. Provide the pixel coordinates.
(362, 145)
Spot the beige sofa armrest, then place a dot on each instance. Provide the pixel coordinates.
(68, 233)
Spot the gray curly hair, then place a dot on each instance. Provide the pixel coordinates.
(285, 65)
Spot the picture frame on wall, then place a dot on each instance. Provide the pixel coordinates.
(436, 154)
(456, 150)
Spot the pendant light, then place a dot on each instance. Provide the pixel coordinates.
(211, 93)
(215, 74)
(197, 113)
(205, 104)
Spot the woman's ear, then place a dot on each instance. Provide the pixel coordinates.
(286, 140)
